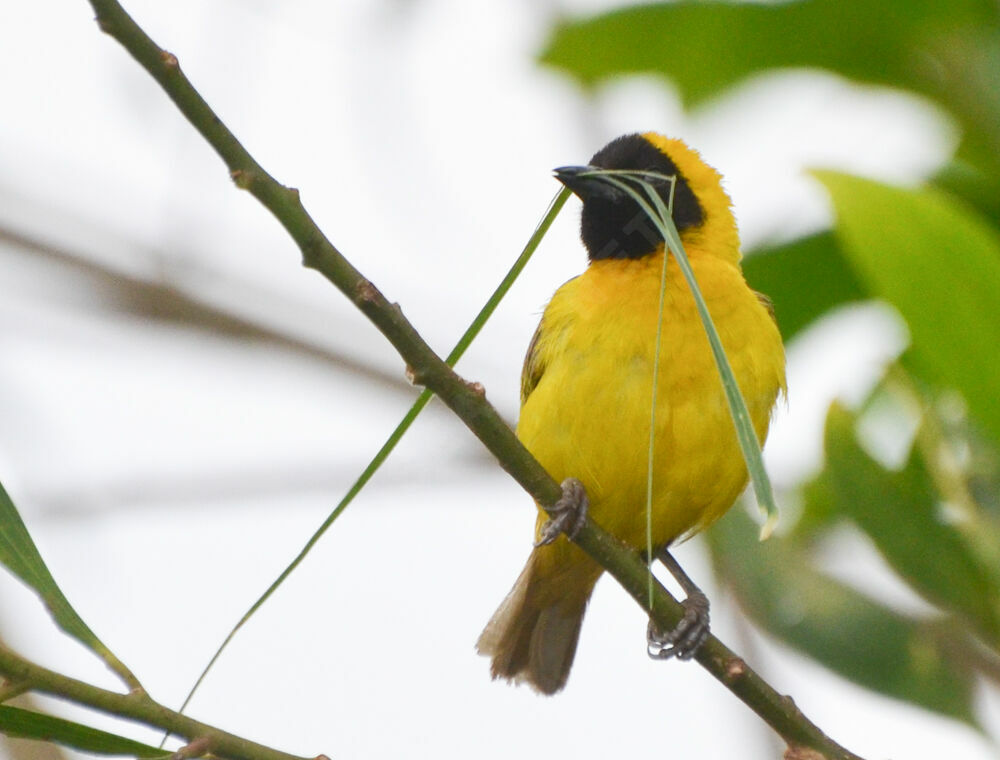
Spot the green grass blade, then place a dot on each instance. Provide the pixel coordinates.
(19, 554)
(515, 271)
(425, 396)
(652, 409)
(745, 434)
(27, 724)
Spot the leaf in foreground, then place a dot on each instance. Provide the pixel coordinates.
(938, 263)
(899, 512)
(693, 43)
(805, 279)
(848, 632)
(27, 724)
(20, 555)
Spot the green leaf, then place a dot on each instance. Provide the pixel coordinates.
(26, 724)
(846, 631)
(899, 512)
(947, 50)
(938, 263)
(20, 555)
(978, 188)
(705, 47)
(967, 62)
(819, 509)
(805, 279)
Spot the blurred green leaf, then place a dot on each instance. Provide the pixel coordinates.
(804, 278)
(968, 75)
(972, 185)
(947, 50)
(705, 47)
(20, 555)
(848, 632)
(899, 512)
(26, 724)
(938, 263)
(819, 508)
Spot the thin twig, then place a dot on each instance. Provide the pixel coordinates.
(137, 706)
(465, 399)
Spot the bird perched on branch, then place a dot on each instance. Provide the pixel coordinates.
(586, 391)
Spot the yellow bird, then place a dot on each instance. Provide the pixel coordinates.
(586, 391)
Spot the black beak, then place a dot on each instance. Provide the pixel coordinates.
(585, 187)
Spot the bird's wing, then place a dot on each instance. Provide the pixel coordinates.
(545, 340)
(768, 304)
(534, 367)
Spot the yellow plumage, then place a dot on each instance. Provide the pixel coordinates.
(586, 412)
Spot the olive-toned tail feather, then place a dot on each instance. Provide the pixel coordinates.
(533, 634)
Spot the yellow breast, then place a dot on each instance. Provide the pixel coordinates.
(589, 415)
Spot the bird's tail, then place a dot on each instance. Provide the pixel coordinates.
(533, 634)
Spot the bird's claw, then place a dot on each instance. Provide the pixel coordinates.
(687, 636)
(568, 514)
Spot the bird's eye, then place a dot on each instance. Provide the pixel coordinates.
(655, 178)
(651, 177)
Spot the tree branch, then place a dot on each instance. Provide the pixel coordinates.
(465, 399)
(137, 706)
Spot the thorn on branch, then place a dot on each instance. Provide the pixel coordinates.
(477, 388)
(169, 60)
(736, 668)
(242, 179)
(365, 293)
(798, 752)
(417, 376)
(789, 706)
(196, 748)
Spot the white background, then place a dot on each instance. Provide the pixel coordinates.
(169, 470)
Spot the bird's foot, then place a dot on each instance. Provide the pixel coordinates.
(691, 632)
(686, 637)
(567, 515)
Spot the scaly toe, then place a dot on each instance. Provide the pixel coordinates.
(686, 638)
(569, 514)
